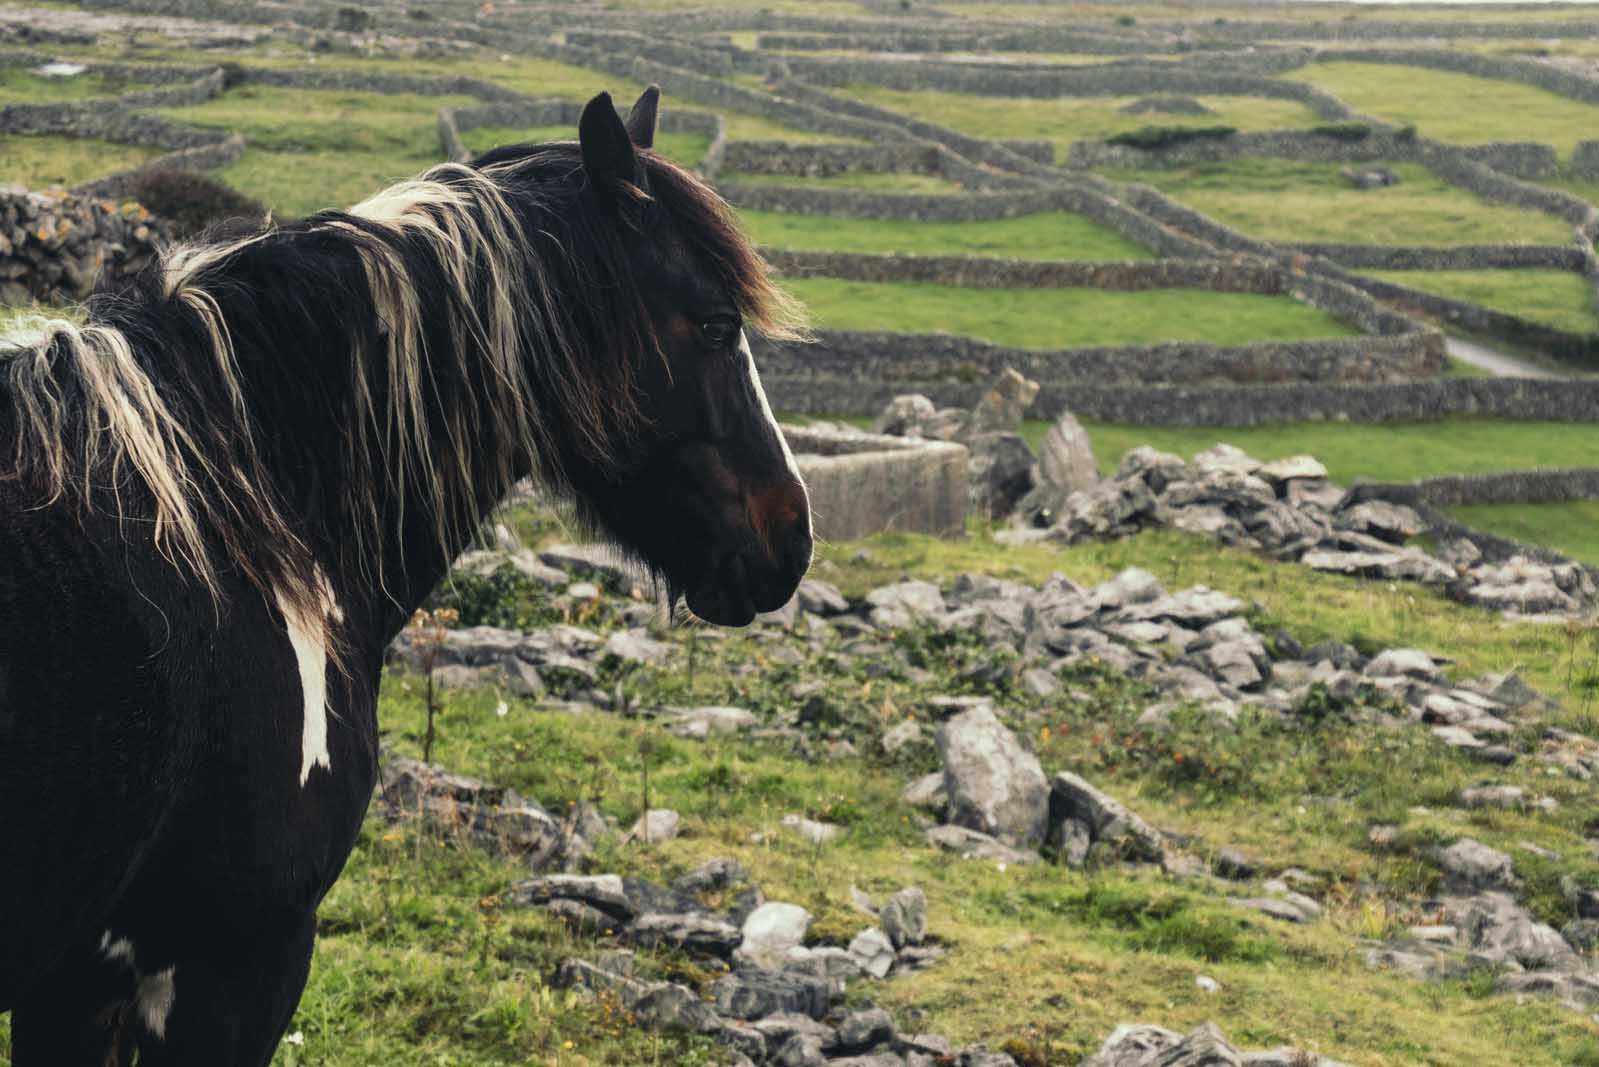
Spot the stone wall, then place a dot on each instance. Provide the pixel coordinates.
(1446, 257)
(554, 112)
(1550, 486)
(1585, 160)
(912, 359)
(1220, 275)
(1102, 80)
(899, 157)
(863, 484)
(1079, 198)
(1518, 159)
(1523, 399)
(53, 245)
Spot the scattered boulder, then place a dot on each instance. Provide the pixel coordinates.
(1084, 820)
(994, 785)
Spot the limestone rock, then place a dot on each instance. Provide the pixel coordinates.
(994, 785)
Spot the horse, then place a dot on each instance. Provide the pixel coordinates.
(225, 492)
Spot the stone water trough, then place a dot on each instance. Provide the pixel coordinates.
(862, 484)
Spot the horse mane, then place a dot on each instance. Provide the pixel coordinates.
(494, 311)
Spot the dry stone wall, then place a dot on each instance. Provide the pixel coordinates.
(1521, 399)
(53, 245)
(1101, 80)
(911, 360)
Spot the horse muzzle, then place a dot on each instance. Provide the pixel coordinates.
(760, 571)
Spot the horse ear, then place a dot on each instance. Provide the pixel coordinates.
(607, 151)
(642, 119)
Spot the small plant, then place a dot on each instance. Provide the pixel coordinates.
(432, 626)
(1343, 131)
(1154, 138)
(192, 202)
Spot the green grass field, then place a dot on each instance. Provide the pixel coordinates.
(1571, 527)
(1062, 318)
(1072, 118)
(1287, 200)
(1556, 298)
(1046, 236)
(1388, 452)
(1456, 107)
(19, 85)
(42, 162)
(342, 146)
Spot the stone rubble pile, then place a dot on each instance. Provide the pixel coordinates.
(493, 818)
(1478, 925)
(53, 244)
(777, 999)
(1000, 466)
(1289, 510)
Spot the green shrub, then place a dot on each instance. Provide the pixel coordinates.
(1151, 138)
(1343, 131)
(192, 201)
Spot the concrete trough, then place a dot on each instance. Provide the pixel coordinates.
(861, 484)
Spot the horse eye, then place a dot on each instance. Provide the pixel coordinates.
(720, 331)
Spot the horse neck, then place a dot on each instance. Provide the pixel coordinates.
(318, 378)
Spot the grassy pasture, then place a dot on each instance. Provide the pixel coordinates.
(1288, 200)
(19, 85)
(1072, 118)
(1387, 451)
(340, 147)
(1556, 298)
(1456, 107)
(41, 162)
(1045, 236)
(1062, 318)
(1571, 527)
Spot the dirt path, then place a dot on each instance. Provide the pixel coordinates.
(1499, 364)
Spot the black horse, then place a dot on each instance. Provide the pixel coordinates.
(224, 495)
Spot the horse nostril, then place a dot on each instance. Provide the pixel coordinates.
(797, 546)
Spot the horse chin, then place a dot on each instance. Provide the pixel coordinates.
(724, 596)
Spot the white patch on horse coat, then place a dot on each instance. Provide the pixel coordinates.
(766, 408)
(117, 950)
(308, 638)
(154, 998)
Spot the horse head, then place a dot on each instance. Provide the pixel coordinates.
(689, 471)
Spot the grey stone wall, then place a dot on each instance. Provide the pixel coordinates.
(1034, 39)
(900, 157)
(702, 56)
(1079, 197)
(1551, 486)
(862, 484)
(913, 359)
(1518, 159)
(553, 112)
(1446, 257)
(107, 121)
(1585, 160)
(1524, 399)
(1101, 80)
(1220, 275)
(53, 245)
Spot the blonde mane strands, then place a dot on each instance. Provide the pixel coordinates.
(468, 228)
